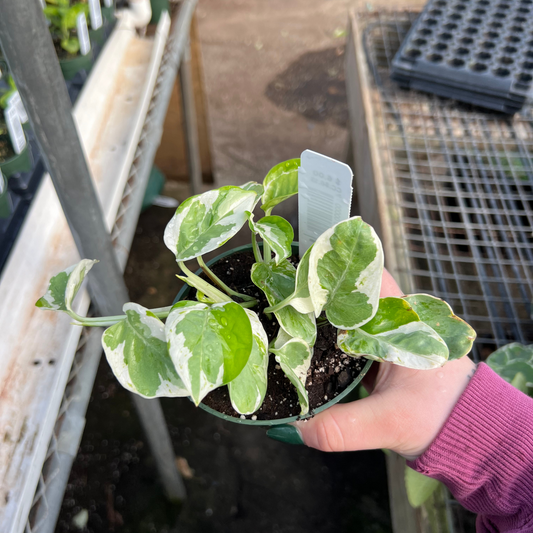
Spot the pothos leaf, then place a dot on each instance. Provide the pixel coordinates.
(511, 360)
(436, 313)
(419, 487)
(207, 221)
(64, 287)
(300, 298)
(200, 296)
(253, 186)
(396, 335)
(247, 391)
(209, 345)
(345, 269)
(277, 282)
(294, 357)
(136, 349)
(280, 183)
(277, 232)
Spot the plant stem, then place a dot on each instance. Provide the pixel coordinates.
(104, 321)
(255, 247)
(278, 306)
(267, 254)
(198, 283)
(215, 279)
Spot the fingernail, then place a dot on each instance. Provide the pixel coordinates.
(286, 433)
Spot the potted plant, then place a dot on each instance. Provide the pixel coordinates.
(11, 162)
(108, 10)
(216, 347)
(158, 8)
(64, 19)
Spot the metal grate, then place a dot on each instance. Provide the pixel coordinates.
(460, 184)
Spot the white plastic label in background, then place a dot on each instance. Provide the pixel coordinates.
(83, 34)
(108, 3)
(43, 3)
(14, 127)
(16, 101)
(3, 183)
(95, 12)
(324, 196)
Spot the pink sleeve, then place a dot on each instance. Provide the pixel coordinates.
(484, 454)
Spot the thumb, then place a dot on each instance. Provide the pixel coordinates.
(360, 425)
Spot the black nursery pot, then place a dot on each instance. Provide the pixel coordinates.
(183, 294)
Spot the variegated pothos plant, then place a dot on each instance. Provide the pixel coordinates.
(219, 339)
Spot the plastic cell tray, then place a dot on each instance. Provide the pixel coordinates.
(478, 51)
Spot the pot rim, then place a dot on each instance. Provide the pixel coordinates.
(184, 291)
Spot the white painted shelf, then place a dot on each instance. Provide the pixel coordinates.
(119, 115)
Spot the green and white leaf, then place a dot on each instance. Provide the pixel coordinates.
(419, 487)
(277, 282)
(396, 335)
(294, 357)
(253, 186)
(511, 360)
(277, 232)
(282, 338)
(64, 287)
(436, 313)
(345, 269)
(280, 183)
(300, 298)
(206, 221)
(247, 391)
(136, 349)
(201, 297)
(209, 345)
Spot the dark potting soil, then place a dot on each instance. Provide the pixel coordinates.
(330, 372)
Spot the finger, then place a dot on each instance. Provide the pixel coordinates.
(389, 287)
(361, 425)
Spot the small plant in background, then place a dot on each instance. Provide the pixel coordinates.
(218, 339)
(514, 363)
(63, 16)
(7, 89)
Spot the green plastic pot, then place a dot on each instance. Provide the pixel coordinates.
(108, 13)
(158, 7)
(6, 206)
(155, 185)
(97, 36)
(182, 295)
(22, 162)
(70, 67)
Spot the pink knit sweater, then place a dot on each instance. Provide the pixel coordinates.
(484, 454)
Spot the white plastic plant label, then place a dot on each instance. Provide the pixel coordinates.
(95, 12)
(16, 101)
(324, 196)
(83, 34)
(43, 3)
(108, 3)
(14, 127)
(3, 183)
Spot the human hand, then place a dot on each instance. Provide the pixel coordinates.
(404, 412)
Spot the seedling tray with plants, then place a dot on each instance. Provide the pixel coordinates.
(479, 52)
(224, 337)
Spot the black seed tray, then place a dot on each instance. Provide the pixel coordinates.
(473, 48)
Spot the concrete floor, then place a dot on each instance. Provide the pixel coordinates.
(275, 84)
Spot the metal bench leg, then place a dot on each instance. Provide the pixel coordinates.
(155, 428)
(190, 122)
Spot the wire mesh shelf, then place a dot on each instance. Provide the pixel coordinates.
(459, 187)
